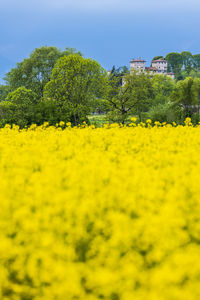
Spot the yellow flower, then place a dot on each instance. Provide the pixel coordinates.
(148, 121)
(110, 212)
(61, 123)
(133, 119)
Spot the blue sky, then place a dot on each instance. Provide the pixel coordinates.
(110, 31)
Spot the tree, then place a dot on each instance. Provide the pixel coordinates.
(196, 61)
(4, 90)
(99, 106)
(175, 63)
(186, 96)
(74, 83)
(22, 101)
(163, 86)
(141, 92)
(46, 110)
(34, 72)
(6, 113)
(119, 100)
(158, 57)
(196, 93)
(132, 97)
(119, 73)
(161, 113)
(187, 59)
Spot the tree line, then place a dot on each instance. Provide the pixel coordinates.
(53, 85)
(182, 64)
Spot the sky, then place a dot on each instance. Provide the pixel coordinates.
(109, 31)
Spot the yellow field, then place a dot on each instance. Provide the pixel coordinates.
(108, 213)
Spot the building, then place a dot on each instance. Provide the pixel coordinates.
(158, 66)
(137, 65)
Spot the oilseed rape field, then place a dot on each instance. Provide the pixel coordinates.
(100, 213)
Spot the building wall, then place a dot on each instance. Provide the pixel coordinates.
(137, 66)
(161, 66)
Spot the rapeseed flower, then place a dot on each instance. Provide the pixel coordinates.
(105, 213)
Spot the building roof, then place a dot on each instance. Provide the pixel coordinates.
(138, 60)
(159, 60)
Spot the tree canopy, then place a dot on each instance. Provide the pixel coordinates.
(18, 108)
(34, 72)
(74, 82)
(187, 96)
(183, 64)
(132, 97)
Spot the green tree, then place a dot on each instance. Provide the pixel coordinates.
(99, 106)
(119, 100)
(196, 61)
(34, 72)
(74, 83)
(196, 93)
(132, 97)
(186, 96)
(46, 110)
(119, 73)
(158, 57)
(161, 113)
(194, 74)
(163, 86)
(4, 90)
(22, 101)
(175, 63)
(187, 61)
(7, 109)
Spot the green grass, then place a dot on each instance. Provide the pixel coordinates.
(97, 120)
(101, 119)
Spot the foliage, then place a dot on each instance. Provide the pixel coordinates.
(7, 113)
(132, 97)
(23, 102)
(118, 73)
(100, 213)
(183, 64)
(193, 73)
(98, 105)
(4, 90)
(163, 86)
(187, 61)
(187, 96)
(160, 112)
(158, 57)
(175, 63)
(76, 87)
(196, 61)
(34, 72)
(74, 83)
(47, 111)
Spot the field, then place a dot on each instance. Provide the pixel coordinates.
(107, 213)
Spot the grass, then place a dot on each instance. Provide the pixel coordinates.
(97, 120)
